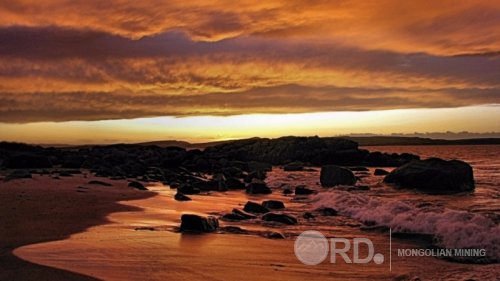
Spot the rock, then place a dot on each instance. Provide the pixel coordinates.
(308, 215)
(281, 218)
(18, 174)
(234, 183)
(28, 161)
(261, 175)
(302, 190)
(244, 214)
(294, 166)
(137, 185)
(233, 217)
(96, 182)
(253, 207)
(179, 196)
(332, 175)
(233, 229)
(287, 191)
(258, 187)
(328, 212)
(259, 166)
(380, 172)
(273, 204)
(434, 175)
(174, 185)
(196, 223)
(188, 189)
(275, 235)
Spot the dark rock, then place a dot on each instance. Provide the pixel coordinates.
(234, 183)
(287, 191)
(244, 214)
(253, 207)
(196, 223)
(380, 172)
(18, 174)
(273, 204)
(294, 166)
(174, 185)
(258, 187)
(28, 161)
(233, 217)
(255, 166)
(96, 182)
(188, 189)
(261, 175)
(434, 175)
(308, 215)
(275, 235)
(332, 175)
(302, 190)
(233, 229)
(281, 218)
(179, 196)
(328, 212)
(137, 185)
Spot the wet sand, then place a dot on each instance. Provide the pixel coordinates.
(104, 233)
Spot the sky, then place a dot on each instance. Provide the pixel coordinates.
(127, 71)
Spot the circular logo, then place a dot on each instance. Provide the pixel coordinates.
(311, 247)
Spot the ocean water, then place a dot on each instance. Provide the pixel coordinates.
(466, 220)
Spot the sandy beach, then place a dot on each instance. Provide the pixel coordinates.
(68, 229)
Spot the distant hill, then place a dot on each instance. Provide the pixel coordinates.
(389, 140)
(183, 144)
(362, 141)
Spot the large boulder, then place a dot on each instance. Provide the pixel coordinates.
(434, 175)
(332, 175)
(196, 223)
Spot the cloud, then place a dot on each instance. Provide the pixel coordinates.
(441, 27)
(66, 106)
(118, 59)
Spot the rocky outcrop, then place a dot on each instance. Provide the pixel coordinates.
(434, 175)
(332, 175)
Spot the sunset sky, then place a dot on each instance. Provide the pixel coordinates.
(125, 71)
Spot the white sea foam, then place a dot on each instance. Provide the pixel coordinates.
(454, 229)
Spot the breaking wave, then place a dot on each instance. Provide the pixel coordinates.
(452, 228)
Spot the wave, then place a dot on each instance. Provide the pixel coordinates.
(451, 228)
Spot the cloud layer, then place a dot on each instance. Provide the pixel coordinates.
(62, 61)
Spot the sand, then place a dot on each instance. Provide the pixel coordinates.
(53, 230)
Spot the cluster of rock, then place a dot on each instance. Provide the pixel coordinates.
(241, 164)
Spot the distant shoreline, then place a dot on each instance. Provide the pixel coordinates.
(362, 141)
